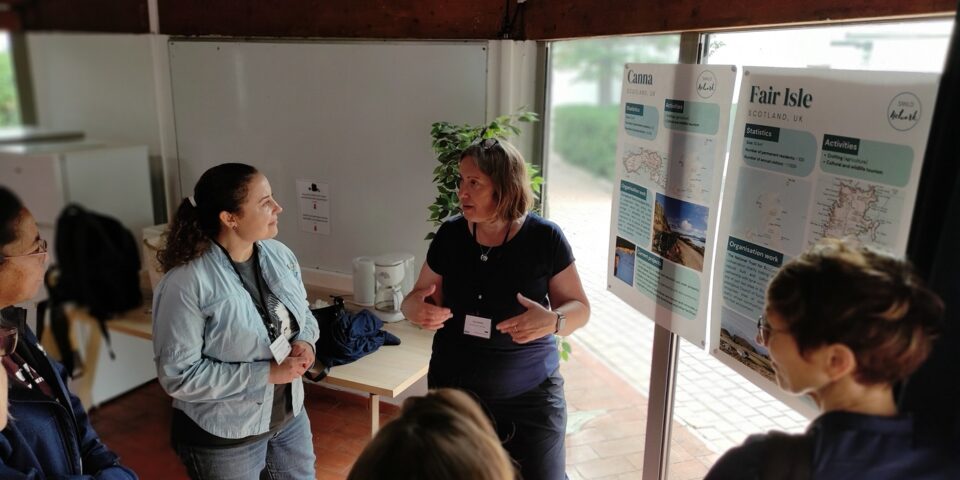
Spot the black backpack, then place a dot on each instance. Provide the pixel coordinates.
(98, 267)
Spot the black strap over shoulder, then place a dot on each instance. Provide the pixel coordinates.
(788, 457)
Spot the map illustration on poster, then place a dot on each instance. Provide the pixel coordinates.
(814, 154)
(670, 151)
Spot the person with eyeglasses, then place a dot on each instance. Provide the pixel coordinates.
(48, 434)
(843, 323)
(499, 283)
(233, 333)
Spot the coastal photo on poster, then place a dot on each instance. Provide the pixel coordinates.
(679, 231)
(623, 260)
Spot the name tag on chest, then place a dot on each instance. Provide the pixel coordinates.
(477, 326)
(280, 348)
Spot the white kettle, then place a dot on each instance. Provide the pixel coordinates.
(364, 282)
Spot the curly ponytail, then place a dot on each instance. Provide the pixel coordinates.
(222, 188)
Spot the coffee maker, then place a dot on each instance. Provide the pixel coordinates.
(394, 279)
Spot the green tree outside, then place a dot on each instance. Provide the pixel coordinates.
(585, 135)
(601, 60)
(9, 107)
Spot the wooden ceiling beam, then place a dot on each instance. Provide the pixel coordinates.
(393, 19)
(562, 19)
(107, 16)
(446, 19)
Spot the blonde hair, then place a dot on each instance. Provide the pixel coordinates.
(507, 169)
(443, 435)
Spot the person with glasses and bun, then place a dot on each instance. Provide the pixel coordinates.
(48, 434)
(499, 283)
(233, 333)
(843, 324)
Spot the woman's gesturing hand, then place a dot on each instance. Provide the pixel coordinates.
(536, 322)
(418, 311)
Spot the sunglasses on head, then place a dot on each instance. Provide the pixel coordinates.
(8, 340)
(485, 144)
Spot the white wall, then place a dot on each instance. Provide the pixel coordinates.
(355, 116)
(117, 87)
(512, 69)
(100, 84)
(110, 86)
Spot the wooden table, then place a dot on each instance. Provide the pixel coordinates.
(136, 322)
(388, 372)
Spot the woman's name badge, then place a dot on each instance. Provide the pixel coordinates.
(280, 348)
(477, 326)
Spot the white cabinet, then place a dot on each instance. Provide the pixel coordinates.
(109, 179)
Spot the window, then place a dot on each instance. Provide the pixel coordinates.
(9, 103)
(715, 408)
(608, 374)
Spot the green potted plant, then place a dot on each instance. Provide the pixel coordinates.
(449, 140)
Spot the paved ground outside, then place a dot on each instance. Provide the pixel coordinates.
(713, 403)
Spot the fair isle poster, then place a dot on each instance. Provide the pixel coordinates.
(815, 153)
(671, 143)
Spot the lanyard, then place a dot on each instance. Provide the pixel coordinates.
(19, 371)
(273, 330)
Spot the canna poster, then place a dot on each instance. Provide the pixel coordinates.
(674, 123)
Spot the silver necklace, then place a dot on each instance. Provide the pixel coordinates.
(485, 255)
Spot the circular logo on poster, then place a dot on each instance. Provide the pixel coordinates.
(904, 111)
(706, 84)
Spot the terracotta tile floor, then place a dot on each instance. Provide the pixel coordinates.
(137, 427)
(605, 435)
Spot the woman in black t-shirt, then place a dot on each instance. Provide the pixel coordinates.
(499, 282)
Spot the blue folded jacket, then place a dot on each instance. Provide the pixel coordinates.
(346, 337)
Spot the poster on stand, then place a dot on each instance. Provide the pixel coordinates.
(671, 144)
(814, 154)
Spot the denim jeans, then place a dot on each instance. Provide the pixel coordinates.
(285, 455)
(532, 427)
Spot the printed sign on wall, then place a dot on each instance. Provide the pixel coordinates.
(314, 199)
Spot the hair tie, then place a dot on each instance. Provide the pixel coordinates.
(192, 201)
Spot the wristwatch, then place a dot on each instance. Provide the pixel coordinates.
(561, 321)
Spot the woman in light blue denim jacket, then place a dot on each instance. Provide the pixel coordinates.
(233, 333)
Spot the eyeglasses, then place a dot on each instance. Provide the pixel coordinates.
(765, 330)
(8, 340)
(41, 250)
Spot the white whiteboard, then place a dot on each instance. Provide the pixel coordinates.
(354, 115)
